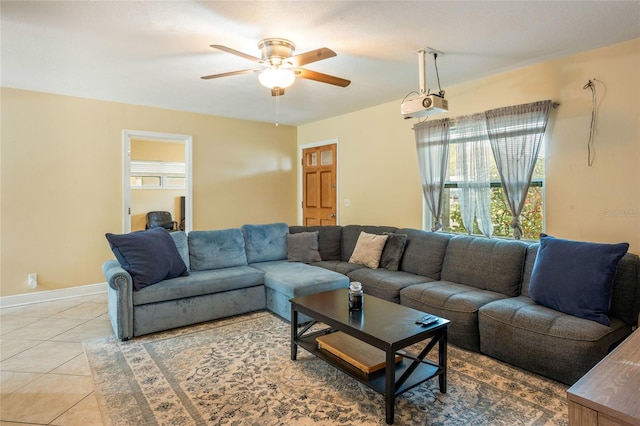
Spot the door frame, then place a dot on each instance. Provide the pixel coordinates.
(301, 178)
(187, 140)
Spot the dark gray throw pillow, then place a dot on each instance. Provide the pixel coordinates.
(393, 251)
(575, 277)
(303, 247)
(149, 256)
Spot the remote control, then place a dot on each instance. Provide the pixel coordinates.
(427, 320)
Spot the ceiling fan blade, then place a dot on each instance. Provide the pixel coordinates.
(323, 78)
(236, 52)
(227, 74)
(277, 91)
(312, 56)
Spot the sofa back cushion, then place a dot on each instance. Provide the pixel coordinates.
(216, 249)
(329, 239)
(487, 264)
(350, 234)
(265, 243)
(529, 261)
(625, 300)
(424, 252)
(180, 238)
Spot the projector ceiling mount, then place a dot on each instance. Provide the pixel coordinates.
(425, 104)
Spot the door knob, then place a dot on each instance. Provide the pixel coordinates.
(332, 215)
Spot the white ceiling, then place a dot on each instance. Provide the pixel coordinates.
(154, 52)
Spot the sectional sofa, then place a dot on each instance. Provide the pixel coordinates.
(482, 285)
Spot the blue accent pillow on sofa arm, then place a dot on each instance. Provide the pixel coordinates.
(575, 277)
(149, 256)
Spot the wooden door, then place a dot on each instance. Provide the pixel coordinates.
(319, 185)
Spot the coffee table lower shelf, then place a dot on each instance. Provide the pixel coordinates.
(424, 371)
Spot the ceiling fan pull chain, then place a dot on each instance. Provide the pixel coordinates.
(277, 107)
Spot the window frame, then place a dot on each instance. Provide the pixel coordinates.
(536, 181)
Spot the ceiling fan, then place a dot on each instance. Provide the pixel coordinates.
(280, 66)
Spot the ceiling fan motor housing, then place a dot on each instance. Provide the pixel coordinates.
(276, 48)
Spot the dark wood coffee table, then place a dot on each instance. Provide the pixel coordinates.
(382, 324)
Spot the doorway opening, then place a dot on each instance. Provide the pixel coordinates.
(150, 173)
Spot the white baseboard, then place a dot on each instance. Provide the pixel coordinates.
(48, 295)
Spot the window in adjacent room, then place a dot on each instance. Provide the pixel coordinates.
(157, 175)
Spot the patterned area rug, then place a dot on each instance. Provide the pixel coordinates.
(238, 371)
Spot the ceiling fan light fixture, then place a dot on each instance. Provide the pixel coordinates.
(277, 77)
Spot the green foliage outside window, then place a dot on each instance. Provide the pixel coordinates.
(531, 218)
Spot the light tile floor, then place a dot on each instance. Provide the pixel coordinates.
(44, 374)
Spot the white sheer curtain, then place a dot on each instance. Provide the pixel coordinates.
(432, 144)
(516, 134)
(473, 154)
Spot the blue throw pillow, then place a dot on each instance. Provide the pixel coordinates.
(575, 277)
(149, 256)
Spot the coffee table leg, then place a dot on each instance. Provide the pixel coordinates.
(390, 386)
(442, 360)
(294, 333)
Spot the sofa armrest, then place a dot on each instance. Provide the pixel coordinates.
(117, 278)
(120, 299)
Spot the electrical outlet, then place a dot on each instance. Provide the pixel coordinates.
(32, 280)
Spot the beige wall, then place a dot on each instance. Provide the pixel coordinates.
(157, 150)
(378, 169)
(61, 177)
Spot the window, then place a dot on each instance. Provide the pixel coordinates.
(532, 214)
(503, 142)
(157, 175)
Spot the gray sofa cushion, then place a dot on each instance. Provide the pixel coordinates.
(265, 243)
(350, 234)
(329, 239)
(488, 264)
(625, 302)
(530, 260)
(457, 302)
(424, 252)
(298, 279)
(521, 332)
(182, 244)
(216, 249)
(339, 266)
(385, 284)
(199, 283)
